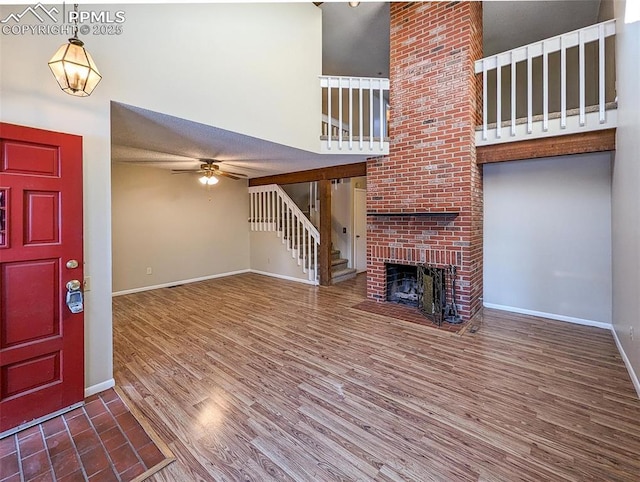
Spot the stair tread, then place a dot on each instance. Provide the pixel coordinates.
(343, 275)
(337, 261)
(341, 272)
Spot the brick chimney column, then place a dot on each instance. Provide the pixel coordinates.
(431, 166)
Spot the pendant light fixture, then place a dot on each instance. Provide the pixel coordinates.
(73, 67)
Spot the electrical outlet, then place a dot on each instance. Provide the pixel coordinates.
(87, 283)
(149, 270)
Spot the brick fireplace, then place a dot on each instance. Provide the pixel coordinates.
(424, 200)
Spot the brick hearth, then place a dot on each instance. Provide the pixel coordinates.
(431, 166)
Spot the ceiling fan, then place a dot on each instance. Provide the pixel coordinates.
(210, 169)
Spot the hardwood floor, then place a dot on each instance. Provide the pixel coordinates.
(254, 378)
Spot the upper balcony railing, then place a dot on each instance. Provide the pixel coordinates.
(355, 114)
(561, 85)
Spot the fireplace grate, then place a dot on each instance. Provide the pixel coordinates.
(432, 292)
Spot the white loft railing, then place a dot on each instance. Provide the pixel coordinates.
(333, 127)
(273, 210)
(554, 69)
(355, 113)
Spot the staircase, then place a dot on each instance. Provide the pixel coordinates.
(273, 210)
(339, 268)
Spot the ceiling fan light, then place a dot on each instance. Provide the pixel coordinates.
(208, 179)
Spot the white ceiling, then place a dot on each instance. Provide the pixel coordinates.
(355, 42)
(159, 140)
(511, 24)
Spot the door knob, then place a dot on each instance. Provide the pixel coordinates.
(72, 264)
(74, 285)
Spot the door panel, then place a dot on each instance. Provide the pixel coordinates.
(31, 374)
(41, 341)
(30, 308)
(30, 158)
(42, 222)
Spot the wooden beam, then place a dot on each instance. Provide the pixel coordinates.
(326, 173)
(593, 141)
(324, 258)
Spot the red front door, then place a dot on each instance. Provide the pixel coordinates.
(41, 340)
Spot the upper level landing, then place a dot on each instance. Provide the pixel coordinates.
(355, 115)
(556, 96)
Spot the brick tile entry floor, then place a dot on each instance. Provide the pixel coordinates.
(101, 441)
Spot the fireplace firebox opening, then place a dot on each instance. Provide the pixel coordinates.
(424, 287)
(402, 284)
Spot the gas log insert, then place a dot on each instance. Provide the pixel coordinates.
(430, 288)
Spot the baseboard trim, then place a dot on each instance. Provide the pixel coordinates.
(281, 276)
(100, 387)
(627, 362)
(177, 283)
(551, 316)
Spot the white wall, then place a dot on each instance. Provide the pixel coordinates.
(547, 236)
(626, 193)
(299, 194)
(269, 256)
(176, 226)
(251, 68)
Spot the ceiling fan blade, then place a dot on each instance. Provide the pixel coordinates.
(161, 161)
(237, 174)
(186, 171)
(229, 175)
(215, 168)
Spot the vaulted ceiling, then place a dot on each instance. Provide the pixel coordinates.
(355, 42)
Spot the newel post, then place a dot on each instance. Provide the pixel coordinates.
(324, 191)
